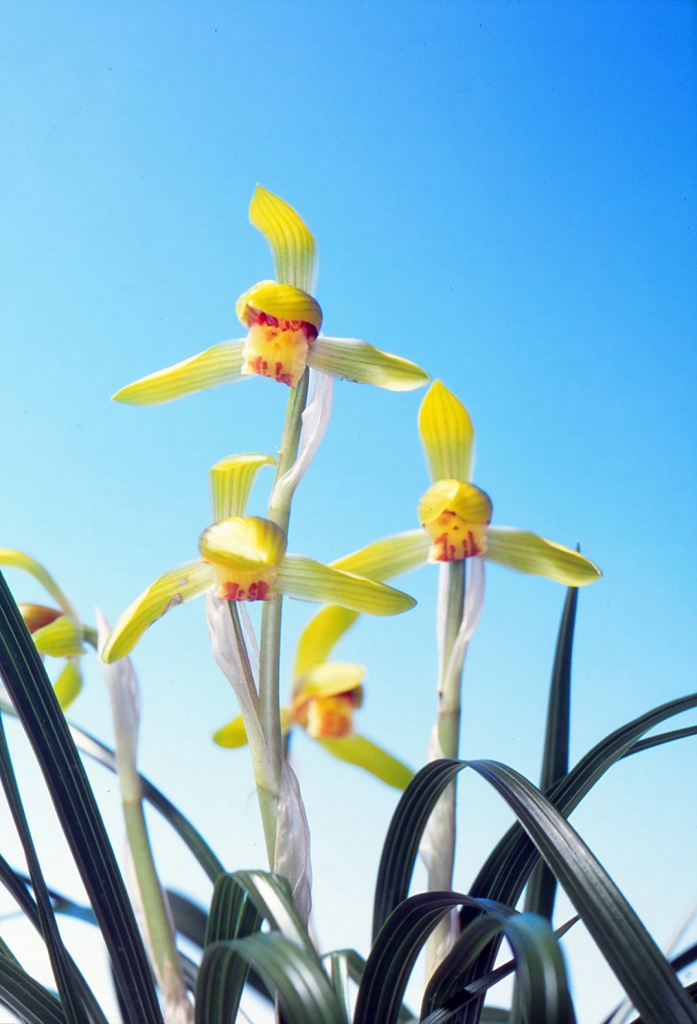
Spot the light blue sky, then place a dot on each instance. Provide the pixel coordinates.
(503, 192)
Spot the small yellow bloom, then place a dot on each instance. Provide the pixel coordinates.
(325, 697)
(283, 324)
(243, 558)
(56, 632)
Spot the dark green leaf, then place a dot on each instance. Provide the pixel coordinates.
(399, 942)
(98, 751)
(619, 934)
(508, 867)
(30, 1000)
(37, 708)
(404, 835)
(304, 991)
(541, 890)
(660, 738)
(189, 919)
(61, 963)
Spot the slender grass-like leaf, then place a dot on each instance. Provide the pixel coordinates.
(401, 844)
(617, 931)
(541, 890)
(61, 964)
(399, 942)
(508, 867)
(661, 738)
(304, 991)
(241, 901)
(189, 919)
(232, 916)
(37, 708)
(272, 898)
(30, 1000)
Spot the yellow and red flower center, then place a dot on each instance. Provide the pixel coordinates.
(244, 553)
(277, 348)
(455, 515)
(455, 539)
(329, 717)
(249, 586)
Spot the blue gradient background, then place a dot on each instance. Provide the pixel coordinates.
(503, 192)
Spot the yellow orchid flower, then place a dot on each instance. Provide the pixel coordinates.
(325, 696)
(283, 322)
(56, 632)
(243, 558)
(456, 515)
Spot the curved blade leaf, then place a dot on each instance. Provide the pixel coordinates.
(619, 934)
(34, 1003)
(541, 890)
(45, 725)
(97, 750)
(304, 991)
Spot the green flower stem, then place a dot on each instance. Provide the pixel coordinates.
(449, 690)
(440, 872)
(267, 788)
(166, 958)
(270, 644)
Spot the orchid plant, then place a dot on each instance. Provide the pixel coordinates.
(243, 559)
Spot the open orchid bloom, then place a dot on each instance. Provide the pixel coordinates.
(283, 323)
(456, 515)
(57, 632)
(324, 698)
(243, 558)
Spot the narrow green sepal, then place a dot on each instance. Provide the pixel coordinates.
(363, 752)
(172, 588)
(311, 581)
(221, 364)
(528, 553)
(351, 359)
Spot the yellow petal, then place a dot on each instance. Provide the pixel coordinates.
(327, 680)
(447, 434)
(243, 542)
(311, 581)
(320, 635)
(526, 552)
(231, 735)
(244, 554)
(358, 361)
(388, 557)
(465, 500)
(68, 684)
(18, 560)
(221, 364)
(183, 583)
(231, 483)
(60, 639)
(289, 237)
(367, 755)
(282, 301)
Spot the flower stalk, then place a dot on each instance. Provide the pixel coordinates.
(270, 642)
